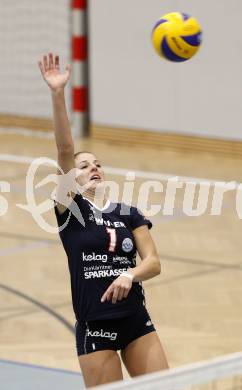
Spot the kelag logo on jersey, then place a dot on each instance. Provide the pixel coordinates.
(127, 245)
(94, 257)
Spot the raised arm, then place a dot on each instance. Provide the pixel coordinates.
(56, 80)
(50, 70)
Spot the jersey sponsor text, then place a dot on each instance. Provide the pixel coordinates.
(116, 224)
(121, 260)
(112, 336)
(94, 257)
(103, 273)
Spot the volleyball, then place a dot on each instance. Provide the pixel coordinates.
(177, 36)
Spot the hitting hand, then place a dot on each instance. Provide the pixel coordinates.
(50, 70)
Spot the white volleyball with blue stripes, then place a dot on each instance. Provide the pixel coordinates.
(177, 36)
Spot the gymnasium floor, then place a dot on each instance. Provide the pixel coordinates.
(195, 303)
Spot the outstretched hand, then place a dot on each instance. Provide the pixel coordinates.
(50, 70)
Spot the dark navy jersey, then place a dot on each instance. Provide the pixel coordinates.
(97, 254)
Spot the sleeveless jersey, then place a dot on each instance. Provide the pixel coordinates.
(97, 254)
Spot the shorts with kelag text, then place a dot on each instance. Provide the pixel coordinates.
(114, 334)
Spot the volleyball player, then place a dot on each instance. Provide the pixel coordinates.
(107, 294)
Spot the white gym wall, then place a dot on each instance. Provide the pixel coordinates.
(131, 87)
(29, 29)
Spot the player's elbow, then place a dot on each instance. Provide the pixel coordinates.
(157, 266)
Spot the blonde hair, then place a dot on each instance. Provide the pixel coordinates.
(78, 153)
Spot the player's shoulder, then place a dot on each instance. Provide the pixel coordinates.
(132, 215)
(122, 208)
(73, 209)
(63, 204)
(129, 208)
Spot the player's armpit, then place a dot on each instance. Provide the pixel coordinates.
(66, 159)
(67, 186)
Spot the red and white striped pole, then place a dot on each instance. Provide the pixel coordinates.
(79, 68)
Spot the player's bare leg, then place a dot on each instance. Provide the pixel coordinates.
(100, 367)
(144, 355)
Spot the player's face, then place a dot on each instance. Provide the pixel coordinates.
(90, 171)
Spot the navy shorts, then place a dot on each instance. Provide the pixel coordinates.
(114, 334)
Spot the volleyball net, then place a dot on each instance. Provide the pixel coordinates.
(223, 373)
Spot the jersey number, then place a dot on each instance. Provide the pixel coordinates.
(113, 239)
